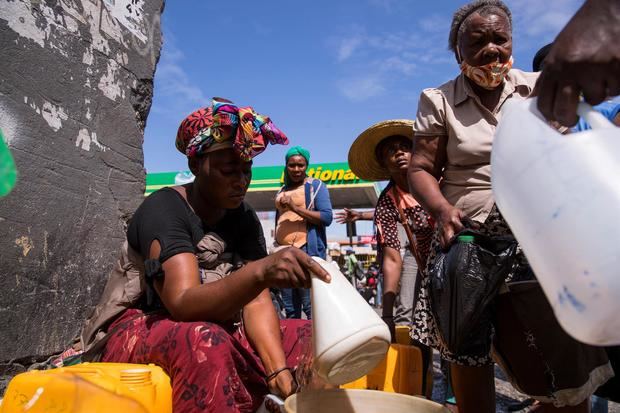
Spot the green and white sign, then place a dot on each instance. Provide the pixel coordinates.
(267, 178)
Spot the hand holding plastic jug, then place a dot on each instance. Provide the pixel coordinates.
(349, 338)
(560, 195)
(291, 267)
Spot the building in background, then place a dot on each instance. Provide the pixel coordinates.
(346, 190)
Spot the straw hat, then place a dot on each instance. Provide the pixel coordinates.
(362, 159)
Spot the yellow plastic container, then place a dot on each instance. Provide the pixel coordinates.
(400, 372)
(402, 334)
(90, 387)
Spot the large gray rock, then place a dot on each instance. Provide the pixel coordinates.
(76, 82)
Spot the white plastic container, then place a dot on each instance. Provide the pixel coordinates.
(560, 194)
(359, 401)
(349, 338)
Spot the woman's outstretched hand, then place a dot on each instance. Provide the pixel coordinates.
(291, 268)
(347, 215)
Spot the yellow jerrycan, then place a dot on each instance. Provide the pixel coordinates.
(90, 388)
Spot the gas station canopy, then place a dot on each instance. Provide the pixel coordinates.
(345, 189)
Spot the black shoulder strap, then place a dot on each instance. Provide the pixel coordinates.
(405, 222)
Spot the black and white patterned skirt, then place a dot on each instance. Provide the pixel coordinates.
(425, 329)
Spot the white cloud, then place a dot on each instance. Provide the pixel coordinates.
(348, 46)
(386, 5)
(421, 49)
(392, 42)
(173, 81)
(550, 22)
(389, 56)
(540, 21)
(361, 88)
(436, 24)
(434, 56)
(398, 64)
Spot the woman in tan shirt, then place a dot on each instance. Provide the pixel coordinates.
(303, 211)
(450, 175)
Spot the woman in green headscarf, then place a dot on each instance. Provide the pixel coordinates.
(303, 211)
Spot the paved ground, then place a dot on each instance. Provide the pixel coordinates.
(505, 393)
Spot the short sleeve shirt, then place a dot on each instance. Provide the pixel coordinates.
(165, 216)
(455, 111)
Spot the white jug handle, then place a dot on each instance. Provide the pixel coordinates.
(594, 118)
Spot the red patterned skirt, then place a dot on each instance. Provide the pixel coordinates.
(212, 368)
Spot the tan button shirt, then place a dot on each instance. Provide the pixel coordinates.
(291, 228)
(454, 110)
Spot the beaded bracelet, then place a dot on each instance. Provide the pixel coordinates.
(275, 373)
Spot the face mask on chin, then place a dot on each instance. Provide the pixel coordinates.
(488, 76)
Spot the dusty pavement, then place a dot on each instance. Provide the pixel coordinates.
(506, 393)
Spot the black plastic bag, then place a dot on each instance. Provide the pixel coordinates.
(464, 281)
(611, 389)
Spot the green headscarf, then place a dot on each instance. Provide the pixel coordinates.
(295, 150)
(298, 150)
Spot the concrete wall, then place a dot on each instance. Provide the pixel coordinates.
(76, 82)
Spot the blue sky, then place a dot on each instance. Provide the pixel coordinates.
(322, 70)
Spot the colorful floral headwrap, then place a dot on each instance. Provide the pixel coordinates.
(224, 125)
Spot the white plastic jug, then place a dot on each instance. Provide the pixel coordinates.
(560, 194)
(349, 338)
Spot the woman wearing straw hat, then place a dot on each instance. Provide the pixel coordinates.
(382, 153)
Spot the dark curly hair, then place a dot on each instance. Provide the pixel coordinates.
(482, 7)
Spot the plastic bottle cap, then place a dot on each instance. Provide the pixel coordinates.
(465, 238)
(135, 376)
